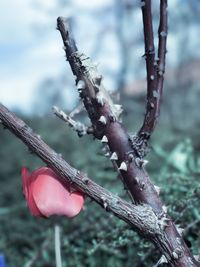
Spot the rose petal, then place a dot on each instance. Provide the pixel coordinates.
(31, 203)
(52, 198)
(27, 184)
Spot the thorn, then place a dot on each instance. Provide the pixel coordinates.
(180, 230)
(104, 139)
(137, 180)
(113, 118)
(55, 109)
(130, 157)
(107, 154)
(197, 257)
(103, 120)
(152, 105)
(96, 87)
(105, 205)
(144, 56)
(85, 180)
(163, 223)
(98, 79)
(123, 166)
(129, 213)
(142, 186)
(118, 107)
(144, 162)
(157, 188)
(152, 77)
(178, 241)
(81, 85)
(139, 162)
(164, 209)
(114, 156)
(162, 260)
(175, 255)
(163, 34)
(155, 94)
(100, 99)
(142, 3)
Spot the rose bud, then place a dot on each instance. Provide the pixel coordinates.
(47, 196)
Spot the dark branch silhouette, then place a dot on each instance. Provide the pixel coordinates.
(155, 67)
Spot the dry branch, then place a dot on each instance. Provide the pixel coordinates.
(140, 217)
(77, 126)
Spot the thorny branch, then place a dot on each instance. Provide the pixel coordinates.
(77, 126)
(155, 67)
(141, 217)
(104, 116)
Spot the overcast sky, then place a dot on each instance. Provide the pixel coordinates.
(25, 56)
(28, 56)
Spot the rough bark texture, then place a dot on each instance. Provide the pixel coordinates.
(140, 217)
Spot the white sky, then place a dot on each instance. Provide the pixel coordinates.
(27, 57)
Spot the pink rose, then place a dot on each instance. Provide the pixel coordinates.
(46, 196)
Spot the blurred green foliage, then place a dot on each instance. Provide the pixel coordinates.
(95, 237)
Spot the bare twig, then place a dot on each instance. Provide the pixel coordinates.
(162, 37)
(77, 110)
(77, 126)
(155, 73)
